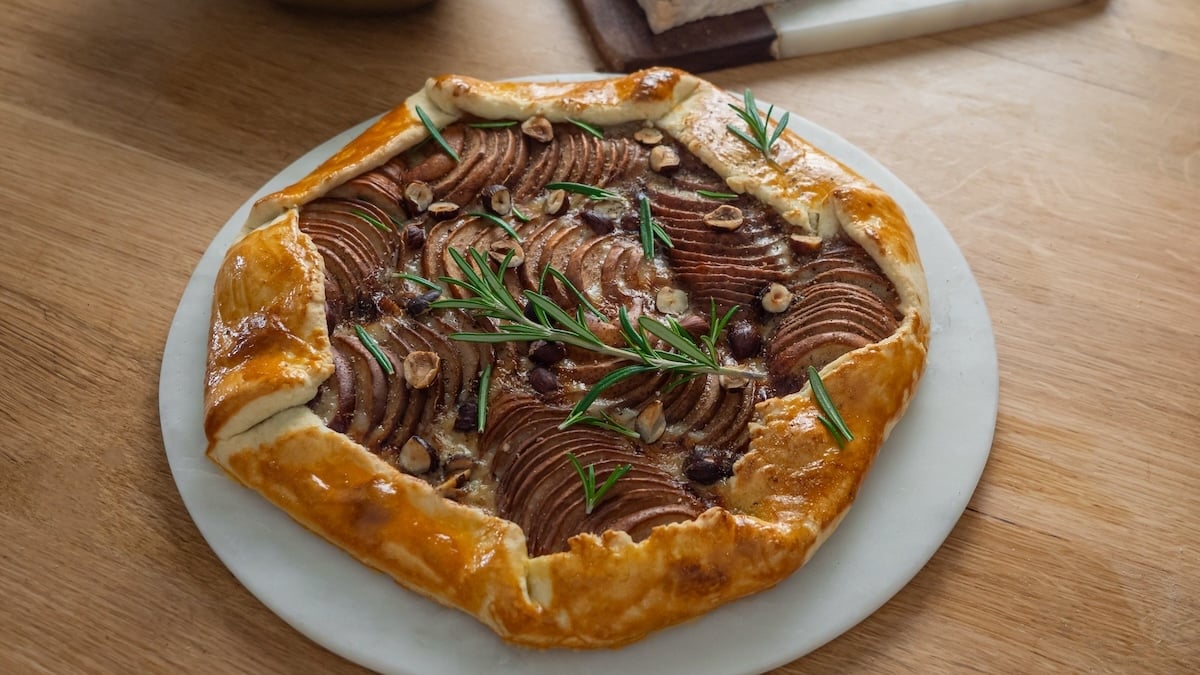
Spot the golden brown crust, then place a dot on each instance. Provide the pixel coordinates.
(647, 94)
(787, 494)
(268, 347)
(456, 554)
(398, 129)
(464, 558)
(642, 95)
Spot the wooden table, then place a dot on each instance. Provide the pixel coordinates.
(1062, 151)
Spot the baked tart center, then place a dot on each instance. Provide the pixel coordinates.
(621, 228)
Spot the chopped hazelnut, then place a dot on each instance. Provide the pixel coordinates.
(651, 424)
(664, 159)
(538, 128)
(388, 306)
(418, 195)
(724, 217)
(449, 488)
(443, 210)
(499, 250)
(460, 462)
(776, 298)
(415, 456)
(733, 381)
(648, 136)
(497, 199)
(421, 369)
(671, 300)
(804, 244)
(556, 203)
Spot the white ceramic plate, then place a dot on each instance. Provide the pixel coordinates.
(914, 495)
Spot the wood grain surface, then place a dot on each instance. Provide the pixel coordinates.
(1062, 151)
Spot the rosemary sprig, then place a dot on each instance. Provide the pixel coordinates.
(603, 421)
(830, 418)
(579, 412)
(757, 125)
(587, 127)
(716, 326)
(584, 189)
(435, 134)
(420, 281)
(488, 296)
(592, 494)
(371, 219)
(497, 124)
(716, 195)
(372, 346)
(649, 229)
(498, 222)
(485, 382)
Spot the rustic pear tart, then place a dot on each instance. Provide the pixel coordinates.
(583, 360)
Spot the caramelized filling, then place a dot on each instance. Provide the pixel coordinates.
(407, 215)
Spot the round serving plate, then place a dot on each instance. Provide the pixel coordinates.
(915, 493)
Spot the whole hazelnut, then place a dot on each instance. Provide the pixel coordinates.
(543, 380)
(706, 467)
(546, 353)
(745, 341)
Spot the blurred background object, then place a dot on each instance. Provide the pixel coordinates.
(702, 36)
(357, 6)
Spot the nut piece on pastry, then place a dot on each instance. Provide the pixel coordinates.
(421, 369)
(614, 432)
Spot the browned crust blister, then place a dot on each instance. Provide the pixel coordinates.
(787, 494)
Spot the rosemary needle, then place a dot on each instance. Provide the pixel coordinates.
(485, 382)
(373, 347)
(420, 281)
(587, 127)
(433, 131)
(499, 124)
(591, 493)
(716, 195)
(549, 270)
(498, 222)
(650, 230)
(603, 421)
(371, 219)
(584, 189)
(830, 418)
(759, 136)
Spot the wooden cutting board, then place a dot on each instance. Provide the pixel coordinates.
(787, 29)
